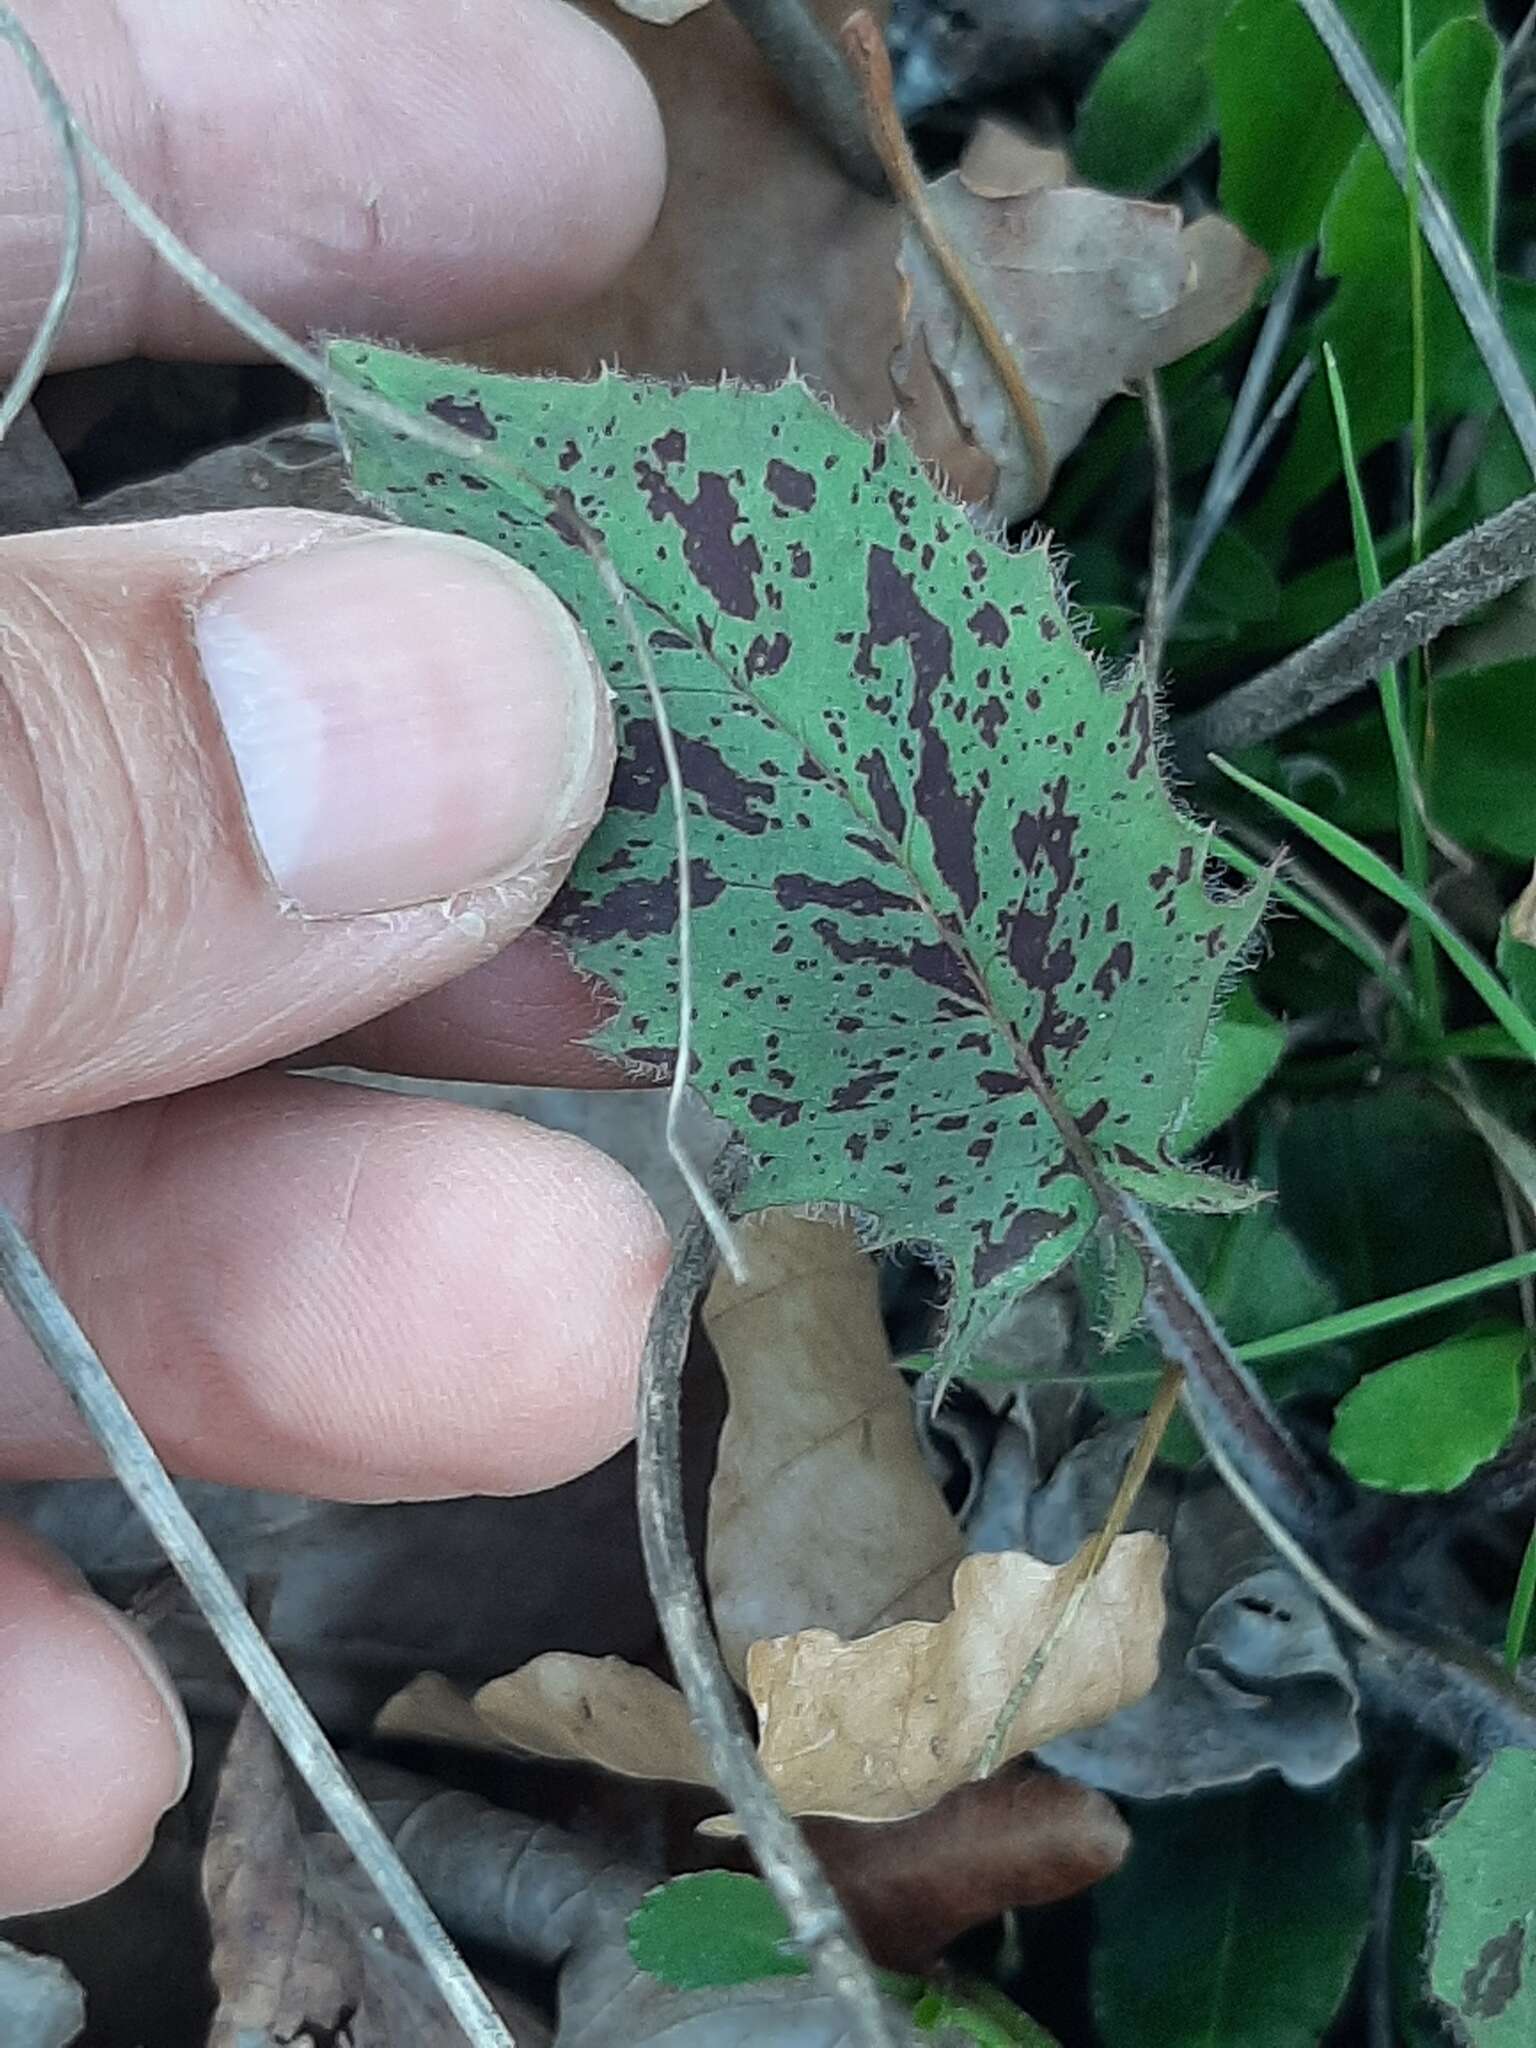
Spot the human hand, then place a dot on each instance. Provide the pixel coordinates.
(264, 778)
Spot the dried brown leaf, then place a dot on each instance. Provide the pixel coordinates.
(1023, 1838)
(299, 1949)
(1089, 291)
(596, 1710)
(882, 1727)
(823, 1513)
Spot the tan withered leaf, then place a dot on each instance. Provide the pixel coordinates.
(300, 1950)
(822, 1513)
(881, 1727)
(1088, 290)
(596, 1710)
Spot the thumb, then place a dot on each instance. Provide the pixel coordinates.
(262, 776)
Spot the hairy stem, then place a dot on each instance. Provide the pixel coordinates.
(1447, 586)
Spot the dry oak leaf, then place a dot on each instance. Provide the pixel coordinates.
(1089, 291)
(879, 1728)
(822, 1513)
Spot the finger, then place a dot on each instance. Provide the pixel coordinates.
(335, 1291)
(93, 1745)
(370, 167)
(263, 775)
(522, 1019)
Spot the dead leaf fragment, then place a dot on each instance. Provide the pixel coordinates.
(596, 1710)
(823, 1513)
(882, 1727)
(302, 1950)
(1522, 915)
(1090, 292)
(1022, 1838)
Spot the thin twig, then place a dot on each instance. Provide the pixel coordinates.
(1088, 1563)
(1154, 622)
(866, 51)
(1456, 580)
(1447, 243)
(805, 61)
(817, 1921)
(1221, 491)
(1219, 503)
(143, 1478)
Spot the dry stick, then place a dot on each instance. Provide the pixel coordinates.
(1223, 494)
(865, 47)
(805, 61)
(1220, 496)
(817, 1921)
(143, 1478)
(1460, 578)
(1089, 1562)
(1446, 241)
(1154, 623)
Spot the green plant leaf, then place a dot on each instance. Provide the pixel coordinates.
(1483, 1946)
(1150, 108)
(712, 1927)
(1280, 103)
(1426, 1422)
(979, 2012)
(1480, 777)
(1517, 964)
(1236, 1923)
(1365, 246)
(1245, 1046)
(1389, 1190)
(948, 923)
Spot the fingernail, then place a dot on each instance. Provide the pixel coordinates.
(410, 715)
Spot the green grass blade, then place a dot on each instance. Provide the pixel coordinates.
(1410, 821)
(1372, 956)
(1520, 1607)
(1394, 1308)
(1380, 874)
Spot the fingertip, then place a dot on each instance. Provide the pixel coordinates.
(93, 1744)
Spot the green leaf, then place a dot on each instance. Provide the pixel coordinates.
(1236, 1923)
(979, 2012)
(1288, 124)
(948, 923)
(1483, 1950)
(1426, 1422)
(1480, 774)
(1150, 108)
(1517, 964)
(1245, 1046)
(712, 1927)
(1365, 246)
(1390, 1190)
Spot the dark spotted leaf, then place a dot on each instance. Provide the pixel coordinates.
(947, 921)
(1483, 1944)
